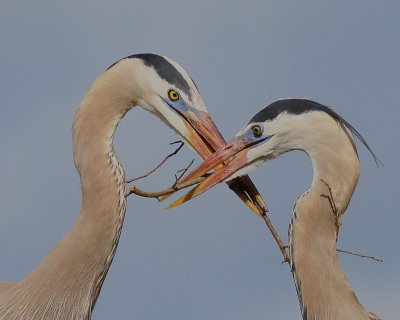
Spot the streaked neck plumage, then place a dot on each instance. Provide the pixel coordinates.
(323, 289)
(68, 281)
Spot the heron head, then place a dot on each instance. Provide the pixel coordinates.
(282, 126)
(165, 89)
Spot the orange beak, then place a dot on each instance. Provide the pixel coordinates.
(226, 161)
(205, 138)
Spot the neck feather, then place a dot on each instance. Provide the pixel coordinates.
(68, 281)
(323, 289)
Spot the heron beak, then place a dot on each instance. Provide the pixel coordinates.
(226, 161)
(204, 136)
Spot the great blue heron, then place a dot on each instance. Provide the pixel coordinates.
(299, 124)
(68, 281)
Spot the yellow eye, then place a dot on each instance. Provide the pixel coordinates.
(173, 95)
(257, 131)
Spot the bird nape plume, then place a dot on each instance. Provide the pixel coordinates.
(299, 106)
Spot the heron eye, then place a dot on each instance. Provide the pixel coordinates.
(257, 131)
(173, 95)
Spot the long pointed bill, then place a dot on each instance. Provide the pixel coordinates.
(205, 138)
(226, 161)
(216, 159)
(203, 134)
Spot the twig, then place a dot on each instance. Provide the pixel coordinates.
(331, 200)
(182, 173)
(161, 163)
(359, 255)
(277, 238)
(176, 187)
(330, 197)
(157, 194)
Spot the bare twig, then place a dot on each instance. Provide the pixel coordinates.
(330, 197)
(277, 238)
(331, 200)
(169, 190)
(182, 173)
(359, 255)
(338, 223)
(176, 187)
(161, 163)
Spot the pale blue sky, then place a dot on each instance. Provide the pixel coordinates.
(211, 258)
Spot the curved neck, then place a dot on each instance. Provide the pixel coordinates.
(323, 289)
(69, 279)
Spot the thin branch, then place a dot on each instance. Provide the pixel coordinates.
(161, 163)
(338, 222)
(182, 173)
(330, 197)
(331, 200)
(277, 238)
(169, 190)
(176, 187)
(283, 246)
(359, 255)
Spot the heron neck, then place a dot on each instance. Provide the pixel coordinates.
(69, 279)
(323, 289)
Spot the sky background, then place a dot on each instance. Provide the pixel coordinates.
(211, 258)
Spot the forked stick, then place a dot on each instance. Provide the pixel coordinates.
(176, 187)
